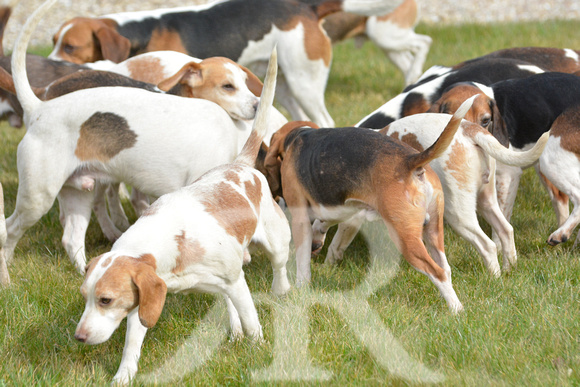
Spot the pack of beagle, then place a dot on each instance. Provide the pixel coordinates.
(521, 110)
(294, 26)
(107, 137)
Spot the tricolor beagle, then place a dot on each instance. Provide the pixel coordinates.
(394, 33)
(322, 176)
(155, 142)
(193, 239)
(222, 28)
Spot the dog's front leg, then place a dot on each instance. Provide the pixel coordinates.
(112, 233)
(302, 234)
(132, 350)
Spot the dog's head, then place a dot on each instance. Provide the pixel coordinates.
(221, 80)
(274, 155)
(83, 40)
(115, 286)
(483, 112)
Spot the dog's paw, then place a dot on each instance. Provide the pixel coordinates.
(557, 238)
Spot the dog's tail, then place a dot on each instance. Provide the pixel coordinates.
(438, 148)
(29, 101)
(359, 7)
(251, 148)
(492, 147)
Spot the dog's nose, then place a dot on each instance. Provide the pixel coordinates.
(81, 336)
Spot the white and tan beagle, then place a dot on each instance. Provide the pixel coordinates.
(154, 142)
(188, 240)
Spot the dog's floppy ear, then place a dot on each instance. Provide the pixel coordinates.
(498, 127)
(253, 82)
(152, 291)
(439, 106)
(275, 154)
(273, 163)
(114, 46)
(189, 74)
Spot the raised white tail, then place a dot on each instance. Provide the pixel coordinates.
(250, 150)
(26, 96)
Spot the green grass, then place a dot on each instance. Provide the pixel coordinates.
(520, 329)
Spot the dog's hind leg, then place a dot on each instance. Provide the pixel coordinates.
(76, 207)
(407, 236)
(112, 233)
(276, 244)
(488, 207)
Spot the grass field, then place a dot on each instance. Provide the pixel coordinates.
(360, 323)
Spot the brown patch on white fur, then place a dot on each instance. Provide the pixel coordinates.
(566, 127)
(411, 139)
(146, 70)
(232, 211)
(455, 165)
(190, 252)
(164, 39)
(316, 42)
(254, 191)
(103, 136)
(404, 16)
(232, 176)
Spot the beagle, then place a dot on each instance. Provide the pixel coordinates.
(560, 163)
(394, 33)
(191, 239)
(221, 28)
(521, 111)
(322, 176)
(511, 63)
(467, 173)
(219, 80)
(154, 142)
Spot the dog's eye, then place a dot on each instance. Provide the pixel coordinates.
(68, 48)
(229, 87)
(105, 301)
(485, 122)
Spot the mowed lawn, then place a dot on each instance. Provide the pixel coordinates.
(361, 322)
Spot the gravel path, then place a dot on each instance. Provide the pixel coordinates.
(433, 11)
